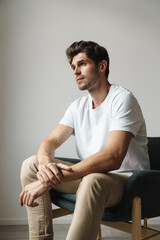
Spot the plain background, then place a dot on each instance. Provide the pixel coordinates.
(37, 83)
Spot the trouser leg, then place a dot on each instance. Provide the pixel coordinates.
(40, 217)
(96, 191)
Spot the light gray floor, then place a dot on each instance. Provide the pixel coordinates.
(20, 232)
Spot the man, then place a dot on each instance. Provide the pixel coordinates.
(111, 141)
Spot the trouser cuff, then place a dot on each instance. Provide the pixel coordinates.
(42, 237)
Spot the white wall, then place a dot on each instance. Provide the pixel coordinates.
(37, 83)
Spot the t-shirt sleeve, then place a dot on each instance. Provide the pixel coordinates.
(68, 118)
(126, 114)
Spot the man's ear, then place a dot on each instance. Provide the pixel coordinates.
(103, 66)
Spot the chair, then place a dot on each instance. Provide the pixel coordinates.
(141, 200)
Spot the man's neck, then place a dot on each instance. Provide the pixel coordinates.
(99, 94)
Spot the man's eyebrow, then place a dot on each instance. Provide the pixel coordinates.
(82, 60)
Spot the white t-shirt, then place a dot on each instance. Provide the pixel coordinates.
(119, 111)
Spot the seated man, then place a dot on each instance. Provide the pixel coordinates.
(111, 141)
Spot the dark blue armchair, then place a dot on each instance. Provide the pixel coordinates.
(141, 200)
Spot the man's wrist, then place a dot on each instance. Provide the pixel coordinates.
(43, 161)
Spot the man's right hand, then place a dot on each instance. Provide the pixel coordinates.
(51, 175)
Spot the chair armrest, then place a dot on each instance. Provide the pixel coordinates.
(142, 181)
(146, 185)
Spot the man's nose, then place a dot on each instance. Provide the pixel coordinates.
(77, 71)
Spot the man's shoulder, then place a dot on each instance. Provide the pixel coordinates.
(124, 99)
(81, 102)
(119, 90)
(120, 93)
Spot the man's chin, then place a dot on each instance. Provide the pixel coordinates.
(82, 88)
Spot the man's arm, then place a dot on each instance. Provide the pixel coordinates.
(49, 175)
(56, 138)
(49, 171)
(104, 161)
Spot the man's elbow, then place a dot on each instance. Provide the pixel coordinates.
(117, 161)
(117, 165)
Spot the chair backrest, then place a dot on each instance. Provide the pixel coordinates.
(154, 152)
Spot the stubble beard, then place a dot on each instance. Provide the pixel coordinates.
(88, 85)
(92, 85)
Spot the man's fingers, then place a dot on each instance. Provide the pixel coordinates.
(50, 175)
(27, 198)
(30, 202)
(42, 176)
(35, 204)
(55, 172)
(20, 199)
(54, 175)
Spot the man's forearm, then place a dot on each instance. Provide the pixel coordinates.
(99, 162)
(49, 173)
(104, 161)
(45, 152)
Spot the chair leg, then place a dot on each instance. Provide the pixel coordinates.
(99, 233)
(145, 222)
(136, 219)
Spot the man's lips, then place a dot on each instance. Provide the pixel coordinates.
(79, 79)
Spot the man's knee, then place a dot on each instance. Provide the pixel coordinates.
(93, 182)
(92, 192)
(28, 169)
(94, 178)
(107, 188)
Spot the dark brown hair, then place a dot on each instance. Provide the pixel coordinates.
(93, 51)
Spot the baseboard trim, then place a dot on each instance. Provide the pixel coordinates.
(13, 221)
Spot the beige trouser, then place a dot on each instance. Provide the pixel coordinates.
(94, 192)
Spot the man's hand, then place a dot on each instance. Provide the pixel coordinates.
(51, 174)
(31, 192)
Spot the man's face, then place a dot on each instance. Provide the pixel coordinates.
(85, 71)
